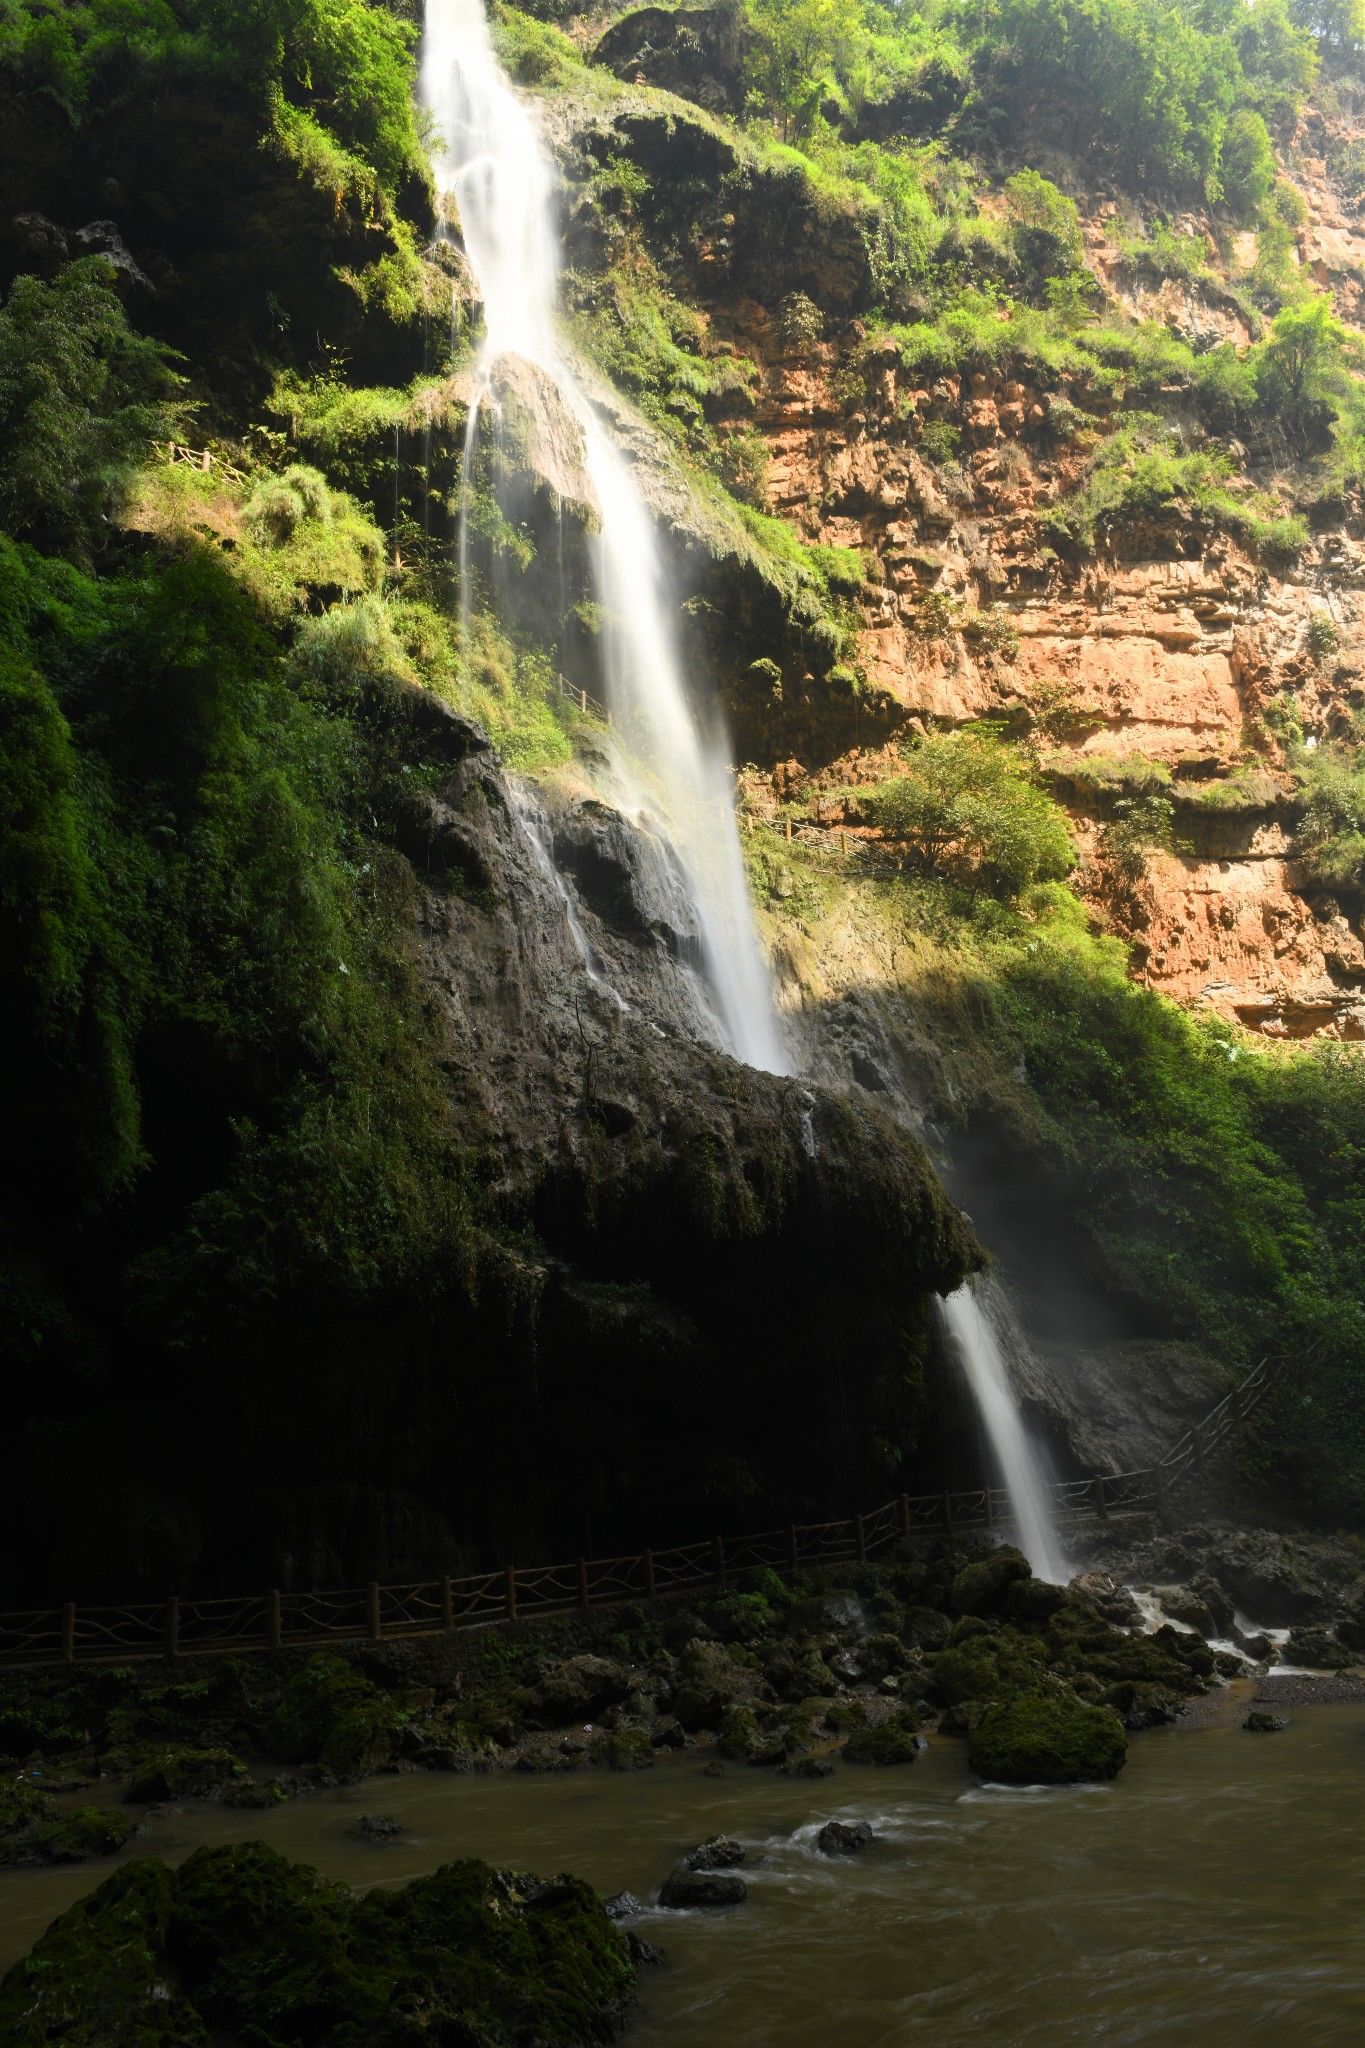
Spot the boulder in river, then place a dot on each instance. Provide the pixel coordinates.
(843, 1838)
(720, 1852)
(1042, 1739)
(377, 1827)
(703, 1888)
(1258, 1722)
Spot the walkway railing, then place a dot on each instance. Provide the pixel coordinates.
(275, 1620)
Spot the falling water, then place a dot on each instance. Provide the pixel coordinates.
(490, 160)
(978, 1349)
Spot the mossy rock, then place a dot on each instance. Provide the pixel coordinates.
(743, 1739)
(35, 1829)
(627, 1749)
(331, 1714)
(982, 1587)
(987, 1666)
(181, 1773)
(241, 1944)
(892, 1742)
(1046, 1739)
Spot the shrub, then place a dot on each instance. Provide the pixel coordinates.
(966, 807)
(1329, 842)
(1323, 637)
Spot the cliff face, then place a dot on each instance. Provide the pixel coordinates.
(1175, 642)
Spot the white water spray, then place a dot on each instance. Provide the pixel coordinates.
(489, 158)
(978, 1349)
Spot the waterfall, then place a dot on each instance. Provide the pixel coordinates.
(978, 1350)
(489, 158)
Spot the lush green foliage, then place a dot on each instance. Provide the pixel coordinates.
(967, 808)
(80, 397)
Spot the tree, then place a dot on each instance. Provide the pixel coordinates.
(1305, 360)
(81, 398)
(1046, 226)
(968, 809)
(1247, 164)
(793, 45)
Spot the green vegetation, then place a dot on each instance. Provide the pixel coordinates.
(1329, 841)
(966, 808)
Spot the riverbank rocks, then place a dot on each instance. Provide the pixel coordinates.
(1045, 1739)
(843, 1838)
(173, 1959)
(576, 1689)
(981, 1587)
(329, 1713)
(1318, 1648)
(34, 1829)
(183, 1774)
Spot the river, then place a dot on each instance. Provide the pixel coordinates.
(1214, 1894)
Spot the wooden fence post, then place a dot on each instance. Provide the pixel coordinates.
(583, 1583)
(1101, 1508)
(793, 1549)
(649, 1575)
(948, 1513)
(372, 1611)
(274, 1620)
(510, 1586)
(447, 1604)
(69, 1633)
(718, 1555)
(171, 1640)
(905, 1518)
(860, 1538)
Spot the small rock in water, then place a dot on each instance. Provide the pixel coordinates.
(622, 1905)
(377, 1827)
(703, 1888)
(843, 1838)
(1258, 1722)
(715, 1769)
(809, 1767)
(642, 1951)
(720, 1852)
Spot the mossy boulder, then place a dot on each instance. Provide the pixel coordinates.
(330, 1714)
(1046, 1739)
(626, 1749)
(241, 1944)
(890, 1742)
(182, 1773)
(35, 1829)
(982, 1587)
(985, 1666)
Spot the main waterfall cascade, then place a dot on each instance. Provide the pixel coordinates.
(490, 160)
(978, 1350)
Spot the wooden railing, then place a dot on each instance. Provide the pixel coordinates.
(276, 1620)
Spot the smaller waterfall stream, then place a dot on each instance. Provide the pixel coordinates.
(978, 1349)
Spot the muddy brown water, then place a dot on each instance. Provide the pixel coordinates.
(1215, 1894)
